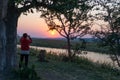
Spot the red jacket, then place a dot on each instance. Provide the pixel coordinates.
(25, 42)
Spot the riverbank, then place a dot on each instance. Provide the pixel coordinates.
(79, 69)
(92, 56)
(62, 44)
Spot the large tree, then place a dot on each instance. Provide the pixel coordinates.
(69, 20)
(14, 10)
(3, 9)
(109, 11)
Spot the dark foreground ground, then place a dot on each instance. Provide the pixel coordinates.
(80, 70)
(55, 69)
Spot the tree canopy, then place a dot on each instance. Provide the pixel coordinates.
(68, 19)
(109, 34)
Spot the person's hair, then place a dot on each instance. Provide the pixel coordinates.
(25, 35)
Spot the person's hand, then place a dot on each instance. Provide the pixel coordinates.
(28, 36)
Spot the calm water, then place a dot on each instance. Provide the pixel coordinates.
(94, 56)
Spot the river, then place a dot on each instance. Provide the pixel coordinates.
(93, 56)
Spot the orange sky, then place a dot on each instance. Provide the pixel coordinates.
(34, 26)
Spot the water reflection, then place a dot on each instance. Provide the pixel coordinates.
(91, 55)
(94, 56)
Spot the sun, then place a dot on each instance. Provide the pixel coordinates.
(52, 32)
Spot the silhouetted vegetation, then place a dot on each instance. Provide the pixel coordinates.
(70, 22)
(62, 43)
(26, 73)
(80, 68)
(109, 34)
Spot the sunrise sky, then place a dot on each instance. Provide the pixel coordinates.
(35, 26)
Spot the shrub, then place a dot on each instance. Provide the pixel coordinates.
(42, 56)
(34, 52)
(26, 73)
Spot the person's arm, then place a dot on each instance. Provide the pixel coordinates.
(30, 39)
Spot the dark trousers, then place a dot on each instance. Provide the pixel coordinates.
(23, 59)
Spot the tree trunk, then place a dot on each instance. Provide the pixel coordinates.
(3, 9)
(118, 51)
(69, 48)
(117, 59)
(11, 33)
(2, 45)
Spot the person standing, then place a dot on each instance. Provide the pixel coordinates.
(25, 42)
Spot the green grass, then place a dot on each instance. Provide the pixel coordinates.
(49, 43)
(56, 43)
(79, 69)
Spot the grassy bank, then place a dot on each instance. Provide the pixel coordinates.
(79, 69)
(62, 43)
